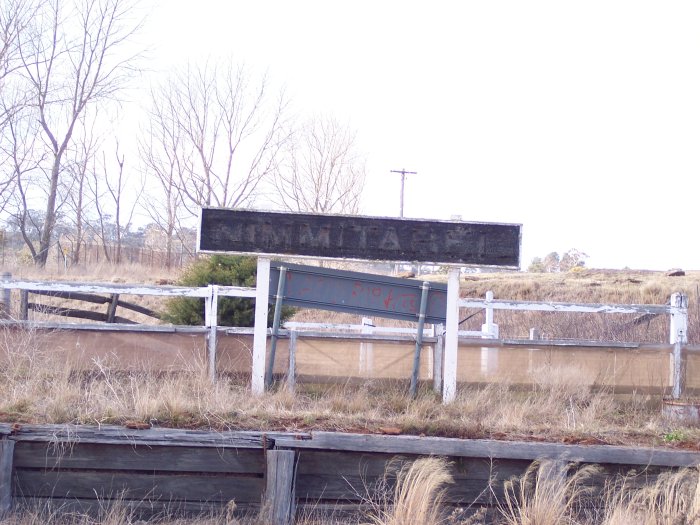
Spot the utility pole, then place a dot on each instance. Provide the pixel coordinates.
(403, 180)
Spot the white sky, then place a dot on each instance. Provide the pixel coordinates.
(579, 120)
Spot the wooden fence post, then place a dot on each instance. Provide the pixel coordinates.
(6, 297)
(438, 357)
(112, 308)
(678, 337)
(367, 349)
(292, 371)
(7, 448)
(24, 305)
(279, 487)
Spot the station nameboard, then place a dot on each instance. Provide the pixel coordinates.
(359, 237)
(358, 293)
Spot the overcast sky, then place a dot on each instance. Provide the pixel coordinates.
(579, 120)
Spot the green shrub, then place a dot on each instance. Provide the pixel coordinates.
(226, 270)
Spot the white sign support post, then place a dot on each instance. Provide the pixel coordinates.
(449, 385)
(262, 291)
(678, 338)
(211, 309)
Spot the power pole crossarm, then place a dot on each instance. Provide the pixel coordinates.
(403, 180)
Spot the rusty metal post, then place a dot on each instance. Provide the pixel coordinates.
(279, 300)
(419, 338)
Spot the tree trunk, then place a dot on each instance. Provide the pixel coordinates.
(50, 217)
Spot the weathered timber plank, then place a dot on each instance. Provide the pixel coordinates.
(79, 314)
(279, 486)
(485, 448)
(154, 436)
(568, 307)
(98, 299)
(136, 509)
(6, 458)
(90, 327)
(75, 296)
(130, 485)
(372, 465)
(138, 457)
(319, 487)
(126, 289)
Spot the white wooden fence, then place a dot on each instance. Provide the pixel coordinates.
(677, 309)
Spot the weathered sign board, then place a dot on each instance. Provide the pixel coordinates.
(359, 238)
(358, 293)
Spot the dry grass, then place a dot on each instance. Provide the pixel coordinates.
(544, 495)
(674, 499)
(120, 512)
(39, 386)
(418, 495)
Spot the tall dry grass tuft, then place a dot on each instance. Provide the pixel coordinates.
(545, 495)
(418, 495)
(674, 499)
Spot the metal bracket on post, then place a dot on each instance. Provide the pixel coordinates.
(678, 337)
(279, 299)
(419, 338)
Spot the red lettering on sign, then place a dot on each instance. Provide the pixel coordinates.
(387, 301)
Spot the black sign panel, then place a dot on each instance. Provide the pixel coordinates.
(358, 293)
(359, 238)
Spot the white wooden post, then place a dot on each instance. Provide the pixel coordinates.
(489, 356)
(292, 370)
(262, 294)
(211, 313)
(489, 328)
(449, 384)
(678, 336)
(438, 349)
(367, 349)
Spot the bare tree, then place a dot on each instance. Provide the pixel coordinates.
(229, 133)
(80, 202)
(14, 17)
(322, 173)
(161, 151)
(71, 61)
(114, 216)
